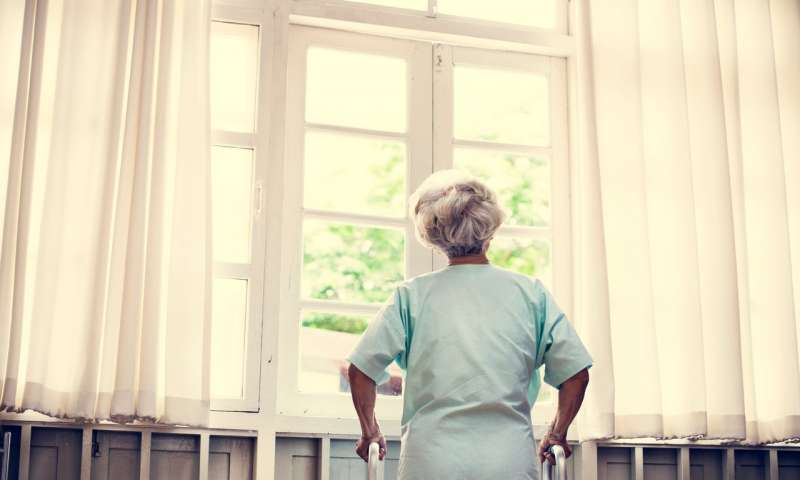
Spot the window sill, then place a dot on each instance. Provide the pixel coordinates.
(291, 425)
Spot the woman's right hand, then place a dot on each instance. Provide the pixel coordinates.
(362, 446)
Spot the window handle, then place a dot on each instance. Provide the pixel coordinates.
(259, 191)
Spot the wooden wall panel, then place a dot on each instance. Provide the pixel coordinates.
(614, 463)
(296, 458)
(788, 465)
(174, 457)
(117, 455)
(751, 465)
(660, 463)
(231, 458)
(706, 464)
(55, 454)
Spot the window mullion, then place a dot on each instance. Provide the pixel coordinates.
(504, 147)
(442, 118)
(233, 139)
(560, 180)
(355, 218)
(346, 308)
(356, 131)
(420, 159)
(241, 271)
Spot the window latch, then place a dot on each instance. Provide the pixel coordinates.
(259, 190)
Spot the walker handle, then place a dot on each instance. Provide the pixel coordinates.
(375, 465)
(560, 467)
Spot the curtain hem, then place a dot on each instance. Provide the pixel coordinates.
(727, 429)
(177, 411)
(135, 420)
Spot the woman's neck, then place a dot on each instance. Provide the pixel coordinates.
(477, 258)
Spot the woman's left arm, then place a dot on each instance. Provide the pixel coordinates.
(362, 389)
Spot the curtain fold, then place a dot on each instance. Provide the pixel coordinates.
(688, 275)
(105, 293)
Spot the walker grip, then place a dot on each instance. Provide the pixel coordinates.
(375, 465)
(559, 470)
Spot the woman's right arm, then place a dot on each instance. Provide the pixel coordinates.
(570, 397)
(362, 389)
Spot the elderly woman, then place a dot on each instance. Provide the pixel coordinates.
(470, 337)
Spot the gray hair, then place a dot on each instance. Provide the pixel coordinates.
(455, 213)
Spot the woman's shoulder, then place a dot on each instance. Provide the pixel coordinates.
(530, 283)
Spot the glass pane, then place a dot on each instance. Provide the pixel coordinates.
(410, 4)
(228, 338)
(325, 341)
(535, 13)
(356, 90)
(522, 183)
(501, 106)
(351, 263)
(529, 257)
(355, 174)
(232, 180)
(234, 73)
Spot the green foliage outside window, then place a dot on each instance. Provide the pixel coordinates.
(336, 323)
(362, 264)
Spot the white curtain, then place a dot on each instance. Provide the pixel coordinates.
(689, 217)
(105, 266)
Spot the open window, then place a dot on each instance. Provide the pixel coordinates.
(368, 118)
(358, 123)
(502, 117)
(237, 218)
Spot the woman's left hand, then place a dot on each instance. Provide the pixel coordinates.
(362, 446)
(550, 440)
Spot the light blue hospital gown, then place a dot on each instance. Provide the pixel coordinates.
(470, 338)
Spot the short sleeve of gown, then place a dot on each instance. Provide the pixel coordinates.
(560, 349)
(384, 340)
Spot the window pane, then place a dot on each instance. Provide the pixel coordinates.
(228, 338)
(325, 341)
(356, 90)
(410, 4)
(234, 70)
(351, 263)
(232, 179)
(529, 257)
(355, 174)
(535, 13)
(522, 183)
(501, 106)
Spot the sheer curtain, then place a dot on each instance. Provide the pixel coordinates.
(688, 214)
(105, 266)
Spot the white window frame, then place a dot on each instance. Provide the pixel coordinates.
(267, 304)
(558, 232)
(355, 16)
(430, 146)
(290, 401)
(253, 272)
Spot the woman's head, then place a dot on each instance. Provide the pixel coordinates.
(455, 213)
